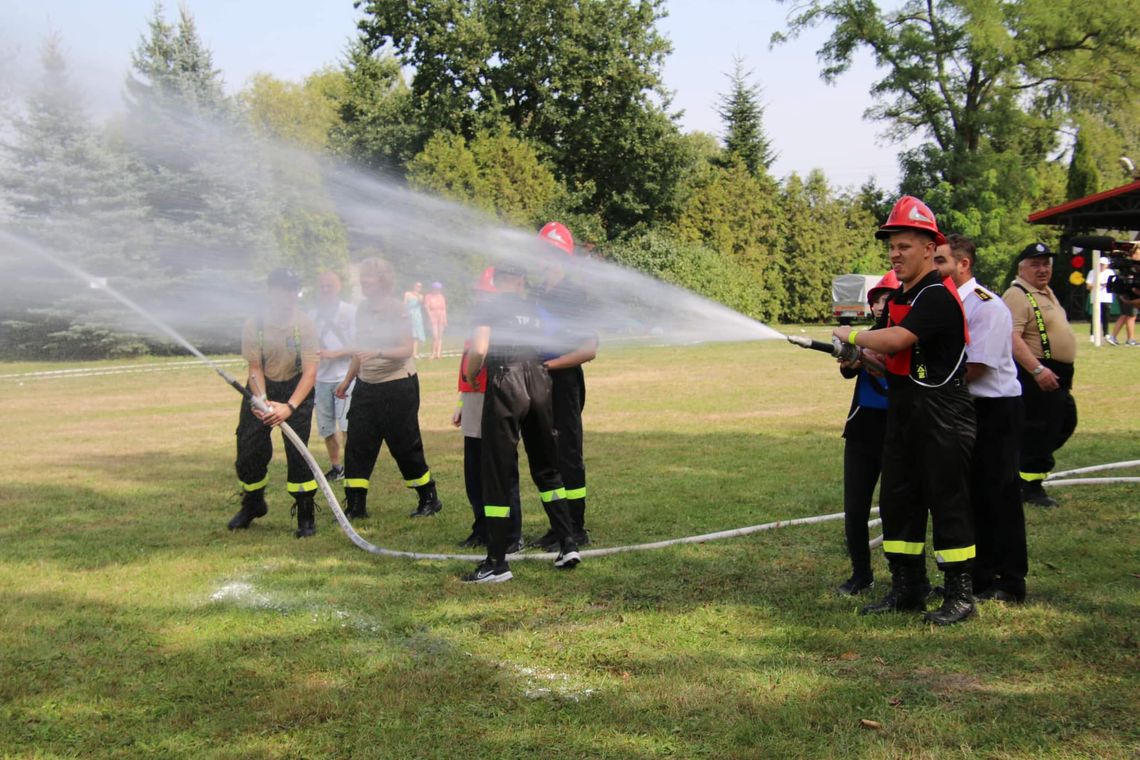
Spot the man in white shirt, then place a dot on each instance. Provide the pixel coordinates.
(1102, 300)
(336, 326)
(995, 490)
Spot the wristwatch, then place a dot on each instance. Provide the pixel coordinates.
(1039, 370)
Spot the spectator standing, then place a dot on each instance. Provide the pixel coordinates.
(1101, 300)
(335, 322)
(1045, 350)
(413, 304)
(436, 307)
(1127, 318)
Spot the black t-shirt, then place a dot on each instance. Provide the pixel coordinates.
(516, 329)
(563, 309)
(936, 318)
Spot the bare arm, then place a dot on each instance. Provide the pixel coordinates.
(586, 352)
(885, 341)
(1046, 379)
(477, 354)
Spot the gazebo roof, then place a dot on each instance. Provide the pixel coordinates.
(1115, 209)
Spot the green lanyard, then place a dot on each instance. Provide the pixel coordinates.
(1040, 319)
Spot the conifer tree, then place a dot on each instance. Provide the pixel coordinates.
(743, 115)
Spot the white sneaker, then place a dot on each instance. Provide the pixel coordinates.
(1111, 340)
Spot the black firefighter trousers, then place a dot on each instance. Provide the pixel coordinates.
(569, 399)
(518, 405)
(926, 468)
(384, 412)
(255, 444)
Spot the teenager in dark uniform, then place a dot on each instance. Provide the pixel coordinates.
(563, 306)
(281, 347)
(930, 421)
(517, 404)
(386, 398)
(863, 450)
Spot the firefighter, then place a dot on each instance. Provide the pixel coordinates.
(930, 421)
(468, 416)
(386, 397)
(1045, 350)
(281, 347)
(563, 307)
(863, 450)
(517, 403)
(999, 519)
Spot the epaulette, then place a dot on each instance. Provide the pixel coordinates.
(982, 294)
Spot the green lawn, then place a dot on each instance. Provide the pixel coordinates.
(134, 624)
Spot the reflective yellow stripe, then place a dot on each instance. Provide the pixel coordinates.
(256, 486)
(308, 485)
(356, 482)
(1032, 476)
(496, 511)
(955, 555)
(576, 493)
(548, 496)
(903, 547)
(419, 481)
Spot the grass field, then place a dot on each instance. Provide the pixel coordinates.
(134, 624)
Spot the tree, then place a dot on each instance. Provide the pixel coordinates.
(581, 78)
(1084, 179)
(990, 85)
(735, 213)
(743, 116)
(300, 114)
(73, 193)
(377, 126)
(174, 67)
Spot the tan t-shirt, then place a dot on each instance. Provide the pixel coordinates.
(277, 347)
(383, 324)
(1062, 342)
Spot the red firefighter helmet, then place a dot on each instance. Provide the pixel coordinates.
(557, 235)
(909, 213)
(889, 281)
(487, 281)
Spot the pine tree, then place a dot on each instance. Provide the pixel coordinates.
(743, 116)
(1084, 178)
(71, 192)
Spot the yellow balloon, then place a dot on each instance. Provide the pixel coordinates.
(1076, 278)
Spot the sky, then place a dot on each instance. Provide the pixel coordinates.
(811, 125)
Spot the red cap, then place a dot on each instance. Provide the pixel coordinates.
(557, 235)
(910, 213)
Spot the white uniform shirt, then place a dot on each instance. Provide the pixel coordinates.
(1103, 294)
(335, 334)
(991, 342)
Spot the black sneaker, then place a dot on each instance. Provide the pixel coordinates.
(1032, 492)
(516, 547)
(568, 557)
(582, 538)
(999, 595)
(336, 472)
(855, 585)
(471, 542)
(488, 572)
(548, 543)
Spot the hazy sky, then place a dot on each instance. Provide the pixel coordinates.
(811, 124)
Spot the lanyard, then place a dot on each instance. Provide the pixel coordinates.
(1040, 319)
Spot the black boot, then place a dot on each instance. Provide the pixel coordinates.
(355, 503)
(429, 501)
(1032, 492)
(306, 510)
(906, 591)
(958, 602)
(856, 584)
(549, 540)
(578, 521)
(252, 506)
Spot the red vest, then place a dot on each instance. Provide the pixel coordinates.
(480, 379)
(898, 363)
